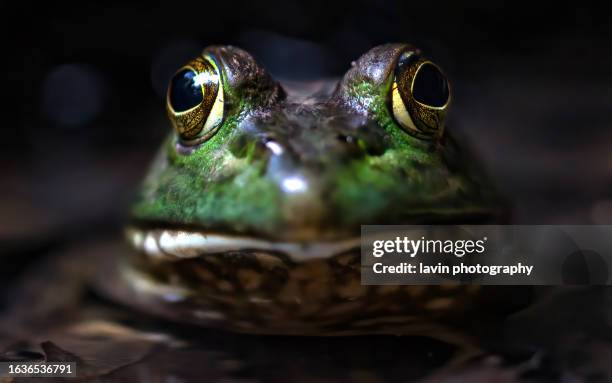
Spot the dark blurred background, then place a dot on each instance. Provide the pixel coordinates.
(83, 87)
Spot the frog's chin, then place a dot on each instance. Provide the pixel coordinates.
(176, 244)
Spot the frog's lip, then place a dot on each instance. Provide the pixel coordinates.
(177, 244)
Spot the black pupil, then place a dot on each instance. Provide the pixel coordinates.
(430, 86)
(185, 93)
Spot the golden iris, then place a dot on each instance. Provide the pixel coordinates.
(194, 101)
(420, 96)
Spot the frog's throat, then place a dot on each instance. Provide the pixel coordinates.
(173, 245)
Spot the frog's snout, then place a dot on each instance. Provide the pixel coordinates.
(306, 153)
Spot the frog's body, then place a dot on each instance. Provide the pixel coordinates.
(250, 217)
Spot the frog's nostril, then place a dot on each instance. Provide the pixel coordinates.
(361, 145)
(345, 138)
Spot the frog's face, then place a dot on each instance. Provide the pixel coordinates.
(251, 163)
(250, 217)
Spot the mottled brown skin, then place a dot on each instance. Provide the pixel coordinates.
(258, 292)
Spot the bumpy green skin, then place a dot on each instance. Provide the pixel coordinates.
(358, 166)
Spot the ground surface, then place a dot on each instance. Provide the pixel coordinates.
(53, 314)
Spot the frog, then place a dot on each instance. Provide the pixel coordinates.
(249, 218)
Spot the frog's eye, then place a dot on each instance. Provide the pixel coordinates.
(195, 100)
(420, 96)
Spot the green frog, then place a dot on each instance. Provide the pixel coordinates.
(249, 219)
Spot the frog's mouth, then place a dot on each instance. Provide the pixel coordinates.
(177, 244)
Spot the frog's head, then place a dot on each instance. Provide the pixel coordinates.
(251, 163)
